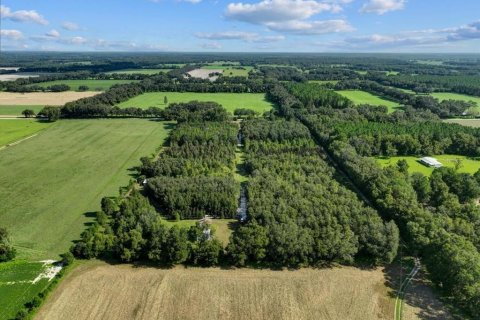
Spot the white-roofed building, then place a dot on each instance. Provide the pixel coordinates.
(431, 162)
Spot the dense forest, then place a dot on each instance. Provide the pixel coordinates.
(437, 216)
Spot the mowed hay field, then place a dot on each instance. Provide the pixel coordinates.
(362, 97)
(50, 184)
(16, 110)
(12, 130)
(93, 85)
(468, 165)
(475, 123)
(230, 101)
(41, 98)
(96, 290)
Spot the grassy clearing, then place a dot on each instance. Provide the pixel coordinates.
(475, 123)
(97, 290)
(16, 287)
(361, 97)
(140, 71)
(17, 110)
(223, 227)
(55, 180)
(16, 129)
(455, 96)
(468, 165)
(230, 101)
(41, 98)
(231, 71)
(93, 85)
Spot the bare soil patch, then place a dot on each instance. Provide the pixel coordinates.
(42, 98)
(96, 290)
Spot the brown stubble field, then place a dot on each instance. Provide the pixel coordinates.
(42, 98)
(96, 290)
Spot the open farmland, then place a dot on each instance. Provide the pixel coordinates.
(18, 285)
(237, 71)
(475, 123)
(468, 165)
(41, 98)
(455, 96)
(100, 291)
(93, 85)
(140, 71)
(230, 101)
(12, 130)
(65, 171)
(361, 97)
(16, 110)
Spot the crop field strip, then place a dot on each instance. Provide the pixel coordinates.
(16, 110)
(89, 157)
(362, 97)
(12, 130)
(212, 293)
(41, 98)
(230, 101)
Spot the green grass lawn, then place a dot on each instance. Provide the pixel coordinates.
(12, 130)
(53, 182)
(223, 227)
(468, 165)
(230, 71)
(230, 101)
(362, 97)
(16, 288)
(93, 85)
(455, 96)
(17, 110)
(140, 71)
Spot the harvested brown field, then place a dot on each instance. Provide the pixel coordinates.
(42, 98)
(204, 73)
(96, 290)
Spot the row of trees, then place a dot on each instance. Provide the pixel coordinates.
(444, 109)
(298, 214)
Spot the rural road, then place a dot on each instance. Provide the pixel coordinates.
(403, 287)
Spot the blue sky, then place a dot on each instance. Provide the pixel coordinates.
(242, 26)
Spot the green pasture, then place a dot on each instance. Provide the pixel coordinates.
(53, 182)
(362, 97)
(468, 165)
(231, 71)
(455, 96)
(17, 110)
(16, 287)
(12, 130)
(93, 85)
(230, 101)
(323, 81)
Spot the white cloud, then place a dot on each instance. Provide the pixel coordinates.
(291, 16)
(11, 34)
(239, 35)
(268, 11)
(53, 34)
(22, 15)
(312, 27)
(414, 38)
(70, 26)
(382, 6)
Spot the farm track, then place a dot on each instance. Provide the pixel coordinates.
(399, 301)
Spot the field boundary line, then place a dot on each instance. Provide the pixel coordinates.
(18, 141)
(401, 291)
